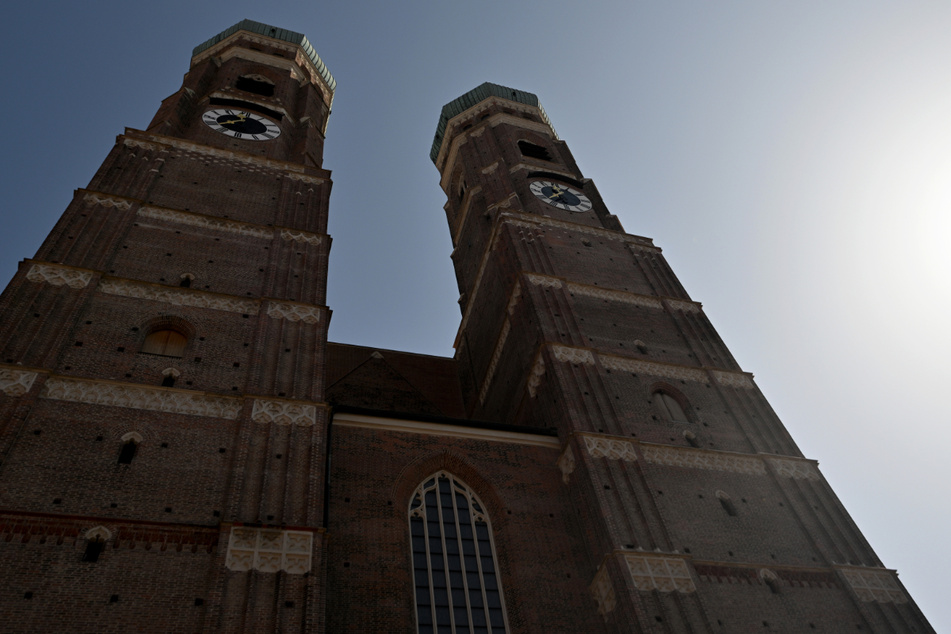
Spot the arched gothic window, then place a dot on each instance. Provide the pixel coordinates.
(456, 573)
(670, 407)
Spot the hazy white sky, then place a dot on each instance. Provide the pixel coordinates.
(791, 158)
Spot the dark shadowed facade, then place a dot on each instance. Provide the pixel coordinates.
(181, 449)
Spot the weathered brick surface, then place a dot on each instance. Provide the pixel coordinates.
(571, 328)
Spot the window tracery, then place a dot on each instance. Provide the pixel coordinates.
(457, 586)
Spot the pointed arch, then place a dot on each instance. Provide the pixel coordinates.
(455, 568)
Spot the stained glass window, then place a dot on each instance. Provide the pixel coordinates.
(456, 580)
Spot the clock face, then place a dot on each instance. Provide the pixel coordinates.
(561, 196)
(241, 124)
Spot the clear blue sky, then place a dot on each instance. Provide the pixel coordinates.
(791, 158)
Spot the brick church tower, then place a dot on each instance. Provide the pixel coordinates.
(181, 449)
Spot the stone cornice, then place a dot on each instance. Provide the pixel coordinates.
(543, 168)
(59, 275)
(195, 219)
(230, 93)
(628, 450)
(17, 381)
(523, 219)
(178, 296)
(295, 171)
(116, 394)
(587, 356)
(207, 222)
(611, 294)
(441, 429)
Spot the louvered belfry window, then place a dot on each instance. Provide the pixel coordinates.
(167, 343)
(454, 564)
(671, 408)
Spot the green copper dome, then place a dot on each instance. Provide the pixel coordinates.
(472, 98)
(278, 34)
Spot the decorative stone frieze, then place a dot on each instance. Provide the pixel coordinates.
(611, 448)
(139, 397)
(874, 584)
(573, 355)
(656, 572)
(206, 222)
(664, 370)
(543, 280)
(59, 276)
(795, 469)
(614, 296)
(16, 382)
(602, 591)
(294, 312)
(566, 462)
(496, 355)
(178, 297)
(535, 377)
(300, 236)
(283, 412)
(733, 379)
(687, 307)
(269, 550)
(699, 459)
(107, 201)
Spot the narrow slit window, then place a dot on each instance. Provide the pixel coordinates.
(457, 586)
(94, 548)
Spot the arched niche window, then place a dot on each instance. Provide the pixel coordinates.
(165, 342)
(256, 84)
(670, 407)
(130, 444)
(169, 375)
(456, 573)
(96, 539)
(186, 280)
(533, 151)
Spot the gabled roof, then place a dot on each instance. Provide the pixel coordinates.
(387, 380)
